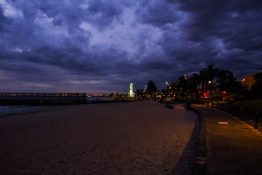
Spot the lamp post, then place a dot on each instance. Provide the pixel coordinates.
(167, 89)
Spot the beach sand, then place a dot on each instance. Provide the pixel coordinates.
(140, 138)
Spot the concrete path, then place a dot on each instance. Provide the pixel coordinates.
(125, 138)
(233, 147)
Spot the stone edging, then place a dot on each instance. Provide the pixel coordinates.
(199, 165)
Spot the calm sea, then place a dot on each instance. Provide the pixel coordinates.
(21, 109)
(25, 109)
(94, 99)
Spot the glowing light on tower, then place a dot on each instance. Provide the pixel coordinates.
(131, 92)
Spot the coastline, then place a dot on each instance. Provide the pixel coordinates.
(25, 109)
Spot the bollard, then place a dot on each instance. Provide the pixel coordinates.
(256, 120)
(241, 111)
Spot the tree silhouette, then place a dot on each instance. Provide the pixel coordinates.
(208, 75)
(193, 82)
(151, 88)
(257, 87)
(228, 82)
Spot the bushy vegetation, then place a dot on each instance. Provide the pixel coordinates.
(209, 83)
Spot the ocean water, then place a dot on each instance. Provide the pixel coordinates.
(4, 110)
(94, 99)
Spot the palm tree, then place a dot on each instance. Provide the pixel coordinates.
(203, 80)
(183, 84)
(212, 74)
(207, 76)
(194, 81)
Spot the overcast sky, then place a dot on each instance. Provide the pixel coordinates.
(102, 45)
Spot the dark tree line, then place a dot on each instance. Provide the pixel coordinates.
(150, 90)
(209, 79)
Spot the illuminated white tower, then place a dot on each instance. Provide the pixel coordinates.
(131, 92)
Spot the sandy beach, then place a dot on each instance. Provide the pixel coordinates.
(140, 138)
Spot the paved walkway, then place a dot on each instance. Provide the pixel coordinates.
(233, 147)
(141, 138)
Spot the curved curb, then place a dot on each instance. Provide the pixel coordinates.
(199, 165)
(169, 106)
(186, 162)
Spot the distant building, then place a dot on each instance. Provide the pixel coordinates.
(248, 81)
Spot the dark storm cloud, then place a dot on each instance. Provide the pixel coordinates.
(100, 45)
(2, 19)
(157, 13)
